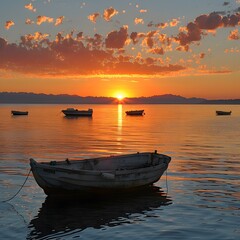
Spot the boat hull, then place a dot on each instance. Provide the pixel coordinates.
(135, 113)
(78, 113)
(19, 113)
(222, 113)
(59, 180)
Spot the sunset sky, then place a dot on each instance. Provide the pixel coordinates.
(129, 48)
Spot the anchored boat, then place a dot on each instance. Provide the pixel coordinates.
(75, 112)
(223, 113)
(135, 112)
(19, 112)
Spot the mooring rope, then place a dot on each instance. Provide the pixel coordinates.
(19, 189)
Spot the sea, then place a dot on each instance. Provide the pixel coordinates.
(198, 197)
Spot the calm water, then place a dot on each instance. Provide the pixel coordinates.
(198, 198)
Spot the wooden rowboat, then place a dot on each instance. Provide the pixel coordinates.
(98, 175)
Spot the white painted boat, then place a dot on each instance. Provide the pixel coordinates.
(14, 112)
(135, 112)
(75, 112)
(98, 175)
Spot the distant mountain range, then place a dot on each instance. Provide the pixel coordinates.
(33, 98)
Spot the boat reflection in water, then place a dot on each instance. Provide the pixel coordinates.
(60, 217)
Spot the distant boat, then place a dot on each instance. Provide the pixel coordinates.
(135, 112)
(19, 112)
(100, 175)
(223, 113)
(76, 112)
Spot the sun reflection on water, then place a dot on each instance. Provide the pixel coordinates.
(119, 118)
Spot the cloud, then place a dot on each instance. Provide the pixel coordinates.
(9, 24)
(193, 34)
(183, 48)
(93, 17)
(234, 35)
(194, 30)
(134, 37)
(117, 39)
(159, 51)
(226, 3)
(232, 50)
(42, 19)
(30, 7)
(209, 22)
(28, 21)
(75, 55)
(109, 13)
(96, 42)
(149, 39)
(31, 40)
(59, 20)
(138, 21)
(147, 68)
(174, 22)
(158, 25)
(202, 55)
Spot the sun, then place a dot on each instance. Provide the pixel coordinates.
(120, 97)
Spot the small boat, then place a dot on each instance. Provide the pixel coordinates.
(135, 112)
(75, 112)
(100, 175)
(19, 112)
(223, 113)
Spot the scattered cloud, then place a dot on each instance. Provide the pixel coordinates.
(118, 51)
(9, 24)
(174, 22)
(28, 21)
(210, 23)
(232, 50)
(76, 54)
(159, 51)
(134, 37)
(59, 20)
(138, 21)
(30, 7)
(31, 40)
(93, 17)
(109, 13)
(158, 25)
(117, 39)
(42, 19)
(183, 48)
(234, 35)
(149, 39)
